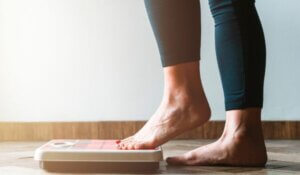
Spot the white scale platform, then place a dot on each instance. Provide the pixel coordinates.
(92, 156)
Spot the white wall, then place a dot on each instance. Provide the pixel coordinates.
(98, 60)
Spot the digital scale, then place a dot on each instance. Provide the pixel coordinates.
(92, 156)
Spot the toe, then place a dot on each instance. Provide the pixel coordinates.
(130, 146)
(177, 160)
(122, 145)
(186, 159)
(128, 143)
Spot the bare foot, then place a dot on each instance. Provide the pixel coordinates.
(171, 119)
(240, 145)
(184, 107)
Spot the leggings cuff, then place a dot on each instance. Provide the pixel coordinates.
(171, 61)
(233, 106)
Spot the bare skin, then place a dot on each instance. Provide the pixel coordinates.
(183, 107)
(241, 144)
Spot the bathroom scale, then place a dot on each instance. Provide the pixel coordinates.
(95, 156)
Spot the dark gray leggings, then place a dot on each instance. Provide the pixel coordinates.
(240, 43)
(176, 26)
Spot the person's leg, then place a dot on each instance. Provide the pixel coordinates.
(176, 26)
(241, 58)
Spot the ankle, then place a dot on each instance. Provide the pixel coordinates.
(244, 124)
(183, 78)
(248, 118)
(180, 95)
(183, 88)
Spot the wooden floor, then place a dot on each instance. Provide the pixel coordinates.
(284, 158)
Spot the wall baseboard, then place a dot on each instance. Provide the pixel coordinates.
(36, 131)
